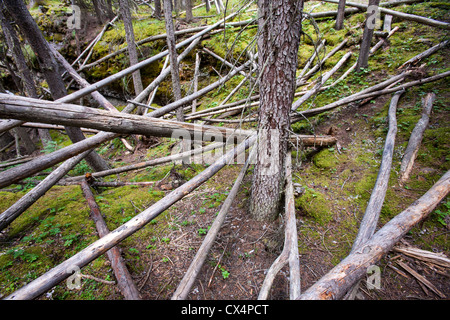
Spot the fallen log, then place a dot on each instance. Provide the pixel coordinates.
(401, 15)
(321, 82)
(290, 249)
(436, 258)
(415, 139)
(29, 109)
(425, 54)
(32, 196)
(99, 247)
(355, 97)
(124, 281)
(149, 163)
(350, 270)
(95, 86)
(185, 285)
(373, 209)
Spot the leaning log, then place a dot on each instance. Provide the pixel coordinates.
(192, 272)
(290, 249)
(415, 139)
(373, 209)
(124, 281)
(343, 276)
(32, 196)
(355, 97)
(99, 247)
(423, 55)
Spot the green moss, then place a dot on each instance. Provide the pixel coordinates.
(314, 204)
(325, 159)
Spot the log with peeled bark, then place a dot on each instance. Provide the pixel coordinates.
(29, 109)
(95, 86)
(350, 270)
(415, 139)
(124, 281)
(99, 247)
(373, 209)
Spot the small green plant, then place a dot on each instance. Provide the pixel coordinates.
(441, 215)
(202, 231)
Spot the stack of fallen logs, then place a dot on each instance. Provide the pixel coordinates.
(369, 247)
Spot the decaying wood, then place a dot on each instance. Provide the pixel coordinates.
(290, 249)
(192, 272)
(373, 209)
(124, 281)
(423, 55)
(153, 162)
(99, 247)
(350, 270)
(415, 139)
(421, 278)
(424, 255)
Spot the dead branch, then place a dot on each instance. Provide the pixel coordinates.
(124, 281)
(343, 276)
(290, 249)
(321, 82)
(401, 15)
(99, 247)
(423, 55)
(415, 139)
(424, 255)
(373, 209)
(192, 272)
(32, 196)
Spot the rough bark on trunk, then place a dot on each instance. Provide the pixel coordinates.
(278, 41)
(340, 15)
(363, 58)
(174, 67)
(132, 52)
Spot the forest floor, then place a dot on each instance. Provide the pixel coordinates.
(335, 184)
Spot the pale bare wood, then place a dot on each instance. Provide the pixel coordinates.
(373, 209)
(185, 285)
(415, 139)
(350, 270)
(99, 247)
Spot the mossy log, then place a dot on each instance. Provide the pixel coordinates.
(124, 281)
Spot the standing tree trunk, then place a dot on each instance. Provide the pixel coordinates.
(18, 11)
(188, 8)
(25, 74)
(174, 68)
(132, 52)
(340, 15)
(278, 41)
(208, 6)
(158, 9)
(363, 58)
